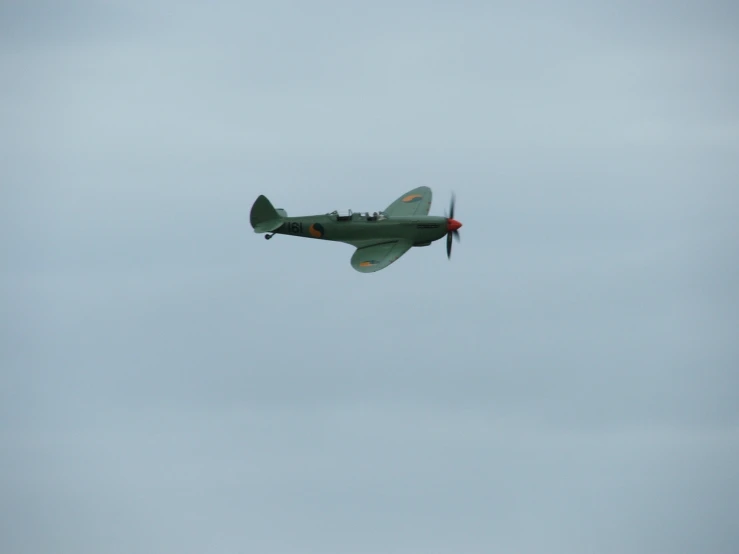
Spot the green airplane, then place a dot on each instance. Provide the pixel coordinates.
(379, 238)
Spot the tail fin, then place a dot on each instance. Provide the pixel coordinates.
(264, 218)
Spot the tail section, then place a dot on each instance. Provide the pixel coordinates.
(264, 217)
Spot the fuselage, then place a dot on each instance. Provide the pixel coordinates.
(357, 229)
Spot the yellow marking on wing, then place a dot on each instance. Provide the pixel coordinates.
(366, 264)
(411, 197)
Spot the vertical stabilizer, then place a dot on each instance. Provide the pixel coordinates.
(264, 217)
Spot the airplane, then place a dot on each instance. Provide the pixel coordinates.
(380, 238)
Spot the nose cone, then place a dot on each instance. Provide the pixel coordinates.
(452, 225)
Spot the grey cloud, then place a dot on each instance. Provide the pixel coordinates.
(172, 382)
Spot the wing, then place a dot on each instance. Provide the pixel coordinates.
(369, 259)
(413, 202)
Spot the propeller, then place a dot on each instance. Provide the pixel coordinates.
(452, 226)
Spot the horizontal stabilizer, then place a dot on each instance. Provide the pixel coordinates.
(264, 217)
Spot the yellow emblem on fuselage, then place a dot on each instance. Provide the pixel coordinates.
(316, 230)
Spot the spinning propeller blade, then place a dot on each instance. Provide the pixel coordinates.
(452, 226)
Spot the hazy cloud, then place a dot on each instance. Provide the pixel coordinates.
(171, 382)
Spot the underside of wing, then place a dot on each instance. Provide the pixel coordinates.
(413, 202)
(369, 259)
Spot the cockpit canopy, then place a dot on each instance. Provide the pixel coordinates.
(348, 215)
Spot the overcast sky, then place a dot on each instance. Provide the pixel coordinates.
(173, 383)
